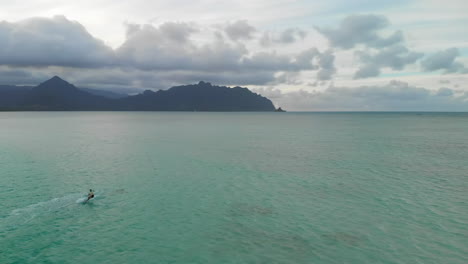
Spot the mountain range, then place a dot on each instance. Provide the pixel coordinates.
(57, 94)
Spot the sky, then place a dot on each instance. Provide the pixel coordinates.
(304, 55)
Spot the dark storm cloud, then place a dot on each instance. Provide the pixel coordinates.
(444, 60)
(360, 29)
(239, 30)
(394, 57)
(56, 41)
(393, 96)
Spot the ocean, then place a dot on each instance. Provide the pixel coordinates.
(193, 187)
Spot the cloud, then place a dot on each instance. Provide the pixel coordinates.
(287, 36)
(169, 47)
(444, 92)
(149, 48)
(239, 30)
(393, 96)
(168, 50)
(179, 32)
(395, 57)
(289, 78)
(51, 41)
(366, 71)
(360, 29)
(373, 50)
(444, 60)
(327, 66)
(17, 76)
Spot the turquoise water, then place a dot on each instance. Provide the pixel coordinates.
(234, 187)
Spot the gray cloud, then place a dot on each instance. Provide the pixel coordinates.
(169, 47)
(366, 71)
(147, 48)
(444, 92)
(291, 35)
(311, 59)
(379, 52)
(290, 78)
(395, 57)
(179, 32)
(327, 67)
(239, 30)
(287, 36)
(444, 60)
(169, 53)
(18, 76)
(160, 48)
(360, 29)
(394, 96)
(304, 59)
(56, 41)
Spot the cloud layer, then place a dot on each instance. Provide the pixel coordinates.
(161, 55)
(374, 50)
(393, 96)
(169, 47)
(360, 29)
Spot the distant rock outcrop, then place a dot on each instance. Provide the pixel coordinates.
(59, 95)
(280, 110)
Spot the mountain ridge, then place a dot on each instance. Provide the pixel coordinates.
(57, 94)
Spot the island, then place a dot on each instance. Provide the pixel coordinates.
(57, 94)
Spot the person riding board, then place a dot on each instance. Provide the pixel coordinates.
(90, 194)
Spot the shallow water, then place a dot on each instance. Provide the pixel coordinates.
(233, 187)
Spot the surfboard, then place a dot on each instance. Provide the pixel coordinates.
(84, 200)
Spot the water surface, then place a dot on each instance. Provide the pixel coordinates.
(233, 187)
